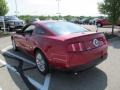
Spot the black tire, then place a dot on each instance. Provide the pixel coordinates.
(43, 69)
(99, 25)
(14, 45)
(9, 28)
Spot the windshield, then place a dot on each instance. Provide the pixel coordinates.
(11, 18)
(65, 28)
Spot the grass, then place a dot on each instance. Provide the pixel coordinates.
(109, 35)
(4, 34)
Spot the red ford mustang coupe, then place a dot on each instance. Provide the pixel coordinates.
(60, 45)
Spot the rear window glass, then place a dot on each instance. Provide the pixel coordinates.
(65, 28)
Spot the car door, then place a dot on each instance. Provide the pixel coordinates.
(36, 36)
(19, 39)
(27, 40)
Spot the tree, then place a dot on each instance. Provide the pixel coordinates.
(111, 8)
(3, 8)
(68, 17)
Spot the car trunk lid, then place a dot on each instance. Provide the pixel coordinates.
(84, 41)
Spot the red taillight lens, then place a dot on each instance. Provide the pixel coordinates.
(75, 47)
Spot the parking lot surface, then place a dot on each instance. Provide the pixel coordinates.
(107, 28)
(18, 72)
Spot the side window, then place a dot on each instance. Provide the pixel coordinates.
(29, 30)
(39, 31)
(6, 18)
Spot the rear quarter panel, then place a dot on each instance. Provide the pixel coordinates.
(53, 48)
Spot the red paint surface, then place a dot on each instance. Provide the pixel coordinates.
(57, 48)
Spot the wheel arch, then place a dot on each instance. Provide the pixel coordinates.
(45, 59)
(38, 49)
(43, 53)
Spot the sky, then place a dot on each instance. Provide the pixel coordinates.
(50, 7)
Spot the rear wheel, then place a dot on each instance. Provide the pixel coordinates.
(41, 63)
(99, 24)
(9, 28)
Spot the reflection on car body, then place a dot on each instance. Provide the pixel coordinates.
(61, 45)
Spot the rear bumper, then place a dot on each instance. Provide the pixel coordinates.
(79, 61)
(89, 64)
(82, 58)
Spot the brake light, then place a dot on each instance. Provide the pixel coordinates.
(80, 47)
(75, 47)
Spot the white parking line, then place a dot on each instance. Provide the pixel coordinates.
(7, 48)
(14, 55)
(35, 83)
(39, 86)
(47, 82)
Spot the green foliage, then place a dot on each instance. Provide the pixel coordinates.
(3, 8)
(101, 8)
(68, 17)
(55, 17)
(28, 18)
(42, 17)
(112, 9)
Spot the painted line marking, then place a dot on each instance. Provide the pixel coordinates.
(35, 83)
(47, 77)
(5, 50)
(47, 82)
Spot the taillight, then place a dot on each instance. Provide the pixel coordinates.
(75, 47)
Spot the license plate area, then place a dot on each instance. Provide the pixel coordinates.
(92, 44)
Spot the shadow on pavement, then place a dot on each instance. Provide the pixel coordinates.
(23, 69)
(92, 79)
(115, 42)
(18, 65)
